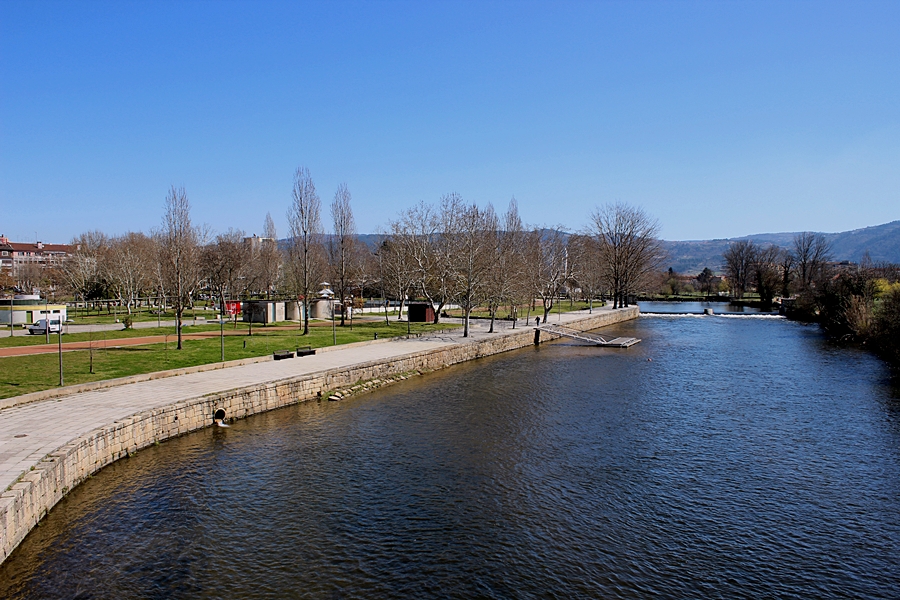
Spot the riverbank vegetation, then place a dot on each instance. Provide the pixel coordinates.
(853, 303)
(861, 305)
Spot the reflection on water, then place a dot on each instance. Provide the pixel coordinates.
(736, 458)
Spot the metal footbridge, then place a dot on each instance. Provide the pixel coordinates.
(591, 338)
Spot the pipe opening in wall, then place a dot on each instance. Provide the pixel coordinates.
(219, 418)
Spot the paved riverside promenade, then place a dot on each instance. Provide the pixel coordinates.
(35, 434)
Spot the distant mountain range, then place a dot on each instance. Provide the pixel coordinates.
(882, 242)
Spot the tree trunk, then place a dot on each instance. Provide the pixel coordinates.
(468, 311)
(179, 313)
(305, 316)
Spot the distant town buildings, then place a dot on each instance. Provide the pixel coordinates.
(20, 261)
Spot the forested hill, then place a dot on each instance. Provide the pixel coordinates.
(882, 242)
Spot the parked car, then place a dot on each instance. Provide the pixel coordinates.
(39, 327)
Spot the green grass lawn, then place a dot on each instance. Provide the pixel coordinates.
(25, 374)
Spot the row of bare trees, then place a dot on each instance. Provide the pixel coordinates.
(312, 256)
(772, 270)
(449, 252)
(458, 252)
(172, 264)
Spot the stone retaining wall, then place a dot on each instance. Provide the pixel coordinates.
(27, 501)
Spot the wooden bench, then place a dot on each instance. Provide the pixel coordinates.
(308, 351)
(282, 354)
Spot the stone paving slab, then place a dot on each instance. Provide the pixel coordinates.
(47, 425)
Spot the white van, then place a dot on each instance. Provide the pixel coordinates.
(40, 327)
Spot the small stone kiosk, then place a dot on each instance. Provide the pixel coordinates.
(324, 306)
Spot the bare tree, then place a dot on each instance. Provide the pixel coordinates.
(178, 244)
(739, 257)
(268, 257)
(547, 270)
(425, 237)
(306, 240)
(786, 264)
(81, 270)
(811, 253)
(128, 267)
(396, 272)
(766, 272)
(341, 247)
(629, 248)
(586, 252)
(366, 276)
(223, 263)
(507, 268)
(472, 259)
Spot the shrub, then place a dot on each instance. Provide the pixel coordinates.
(886, 327)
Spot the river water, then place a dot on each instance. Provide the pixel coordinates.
(722, 457)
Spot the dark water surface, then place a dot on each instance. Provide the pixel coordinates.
(747, 459)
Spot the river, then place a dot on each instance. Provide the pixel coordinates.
(735, 456)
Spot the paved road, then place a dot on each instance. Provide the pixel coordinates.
(31, 431)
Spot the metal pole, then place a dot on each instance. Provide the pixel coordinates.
(333, 330)
(60, 355)
(222, 333)
(47, 315)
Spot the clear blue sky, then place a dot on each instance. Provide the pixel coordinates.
(718, 118)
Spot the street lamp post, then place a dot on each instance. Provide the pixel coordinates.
(60, 354)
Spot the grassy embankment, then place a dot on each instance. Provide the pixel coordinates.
(25, 374)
